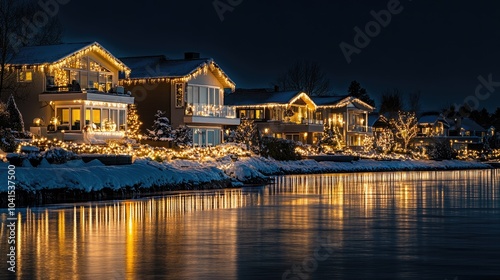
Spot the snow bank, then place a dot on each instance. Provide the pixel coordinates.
(94, 176)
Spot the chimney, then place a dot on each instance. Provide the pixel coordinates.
(276, 88)
(191, 55)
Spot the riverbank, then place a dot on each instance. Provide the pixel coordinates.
(78, 181)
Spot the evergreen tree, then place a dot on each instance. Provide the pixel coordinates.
(16, 119)
(332, 137)
(355, 90)
(161, 130)
(133, 122)
(246, 133)
(4, 116)
(183, 136)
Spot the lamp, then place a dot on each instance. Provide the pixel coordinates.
(38, 122)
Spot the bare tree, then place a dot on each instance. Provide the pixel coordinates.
(23, 23)
(305, 76)
(414, 101)
(392, 103)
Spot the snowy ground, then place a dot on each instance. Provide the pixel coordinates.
(94, 176)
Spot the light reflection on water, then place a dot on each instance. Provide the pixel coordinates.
(432, 225)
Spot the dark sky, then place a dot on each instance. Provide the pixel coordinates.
(437, 47)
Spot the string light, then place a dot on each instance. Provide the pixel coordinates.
(202, 69)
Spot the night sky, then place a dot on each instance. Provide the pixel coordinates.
(437, 47)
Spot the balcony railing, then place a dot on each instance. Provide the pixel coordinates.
(215, 111)
(359, 128)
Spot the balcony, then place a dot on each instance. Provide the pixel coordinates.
(360, 128)
(211, 114)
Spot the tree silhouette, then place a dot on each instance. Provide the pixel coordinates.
(355, 90)
(304, 76)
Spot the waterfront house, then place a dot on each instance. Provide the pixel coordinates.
(69, 91)
(348, 114)
(189, 90)
(280, 114)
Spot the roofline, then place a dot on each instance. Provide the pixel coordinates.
(125, 67)
(349, 99)
(205, 62)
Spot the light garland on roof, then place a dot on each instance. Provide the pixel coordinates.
(201, 70)
(63, 62)
(100, 103)
(345, 102)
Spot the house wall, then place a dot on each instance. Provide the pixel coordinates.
(26, 97)
(150, 97)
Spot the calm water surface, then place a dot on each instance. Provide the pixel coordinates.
(408, 225)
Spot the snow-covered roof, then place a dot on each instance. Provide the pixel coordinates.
(50, 54)
(159, 66)
(467, 124)
(342, 101)
(243, 97)
(377, 120)
(432, 118)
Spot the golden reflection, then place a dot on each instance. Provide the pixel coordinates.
(185, 234)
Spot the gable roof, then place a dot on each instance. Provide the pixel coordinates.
(54, 54)
(341, 101)
(467, 124)
(432, 118)
(377, 120)
(260, 97)
(159, 67)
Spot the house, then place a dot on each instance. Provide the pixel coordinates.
(349, 115)
(280, 114)
(465, 133)
(189, 90)
(69, 91)
(432, 124)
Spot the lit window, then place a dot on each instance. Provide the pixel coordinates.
(25, 76)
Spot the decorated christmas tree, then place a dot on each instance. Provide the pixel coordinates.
(16, 119)
(161, 130)
(246, 133)
(133, 122)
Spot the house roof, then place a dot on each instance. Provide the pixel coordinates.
(432, 118)
(468, 125)
(51, 54)
(255, 97)
(377, 120)
(160, 67)
(341, 101)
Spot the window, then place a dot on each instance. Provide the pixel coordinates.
(179, 96)
(203, 95)
(25, 76)
(75, 119)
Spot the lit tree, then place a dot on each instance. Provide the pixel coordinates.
(368, 143)
(16, 119)
(183, 136)
(162, 131)
(133, 122)
(406, 127)
(331, 136)
(384, 141)
(246, 133)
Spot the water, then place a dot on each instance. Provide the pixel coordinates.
(407, 225)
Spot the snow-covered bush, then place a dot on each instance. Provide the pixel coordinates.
(7, 140)
(279, 149)
(441, 149)
(58, 155)
(183, 136)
